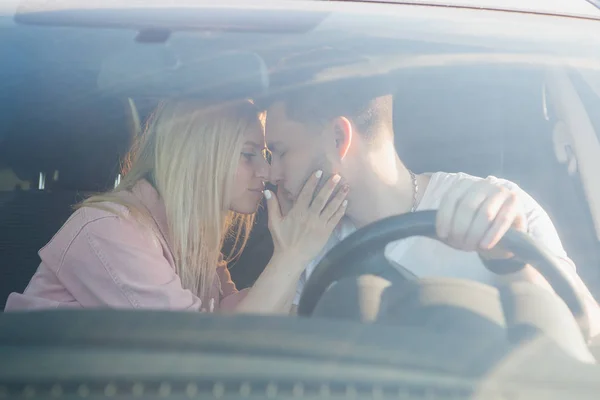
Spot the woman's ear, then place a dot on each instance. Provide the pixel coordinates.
(343, 136)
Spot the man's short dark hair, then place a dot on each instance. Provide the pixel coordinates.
(370, 115)
(364, 101)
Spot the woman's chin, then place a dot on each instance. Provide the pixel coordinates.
(250, 208)
(245, 212)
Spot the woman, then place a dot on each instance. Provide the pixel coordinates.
(197, 176)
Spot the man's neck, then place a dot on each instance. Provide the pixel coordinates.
(382, 192)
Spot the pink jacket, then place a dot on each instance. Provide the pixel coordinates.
(100, 259)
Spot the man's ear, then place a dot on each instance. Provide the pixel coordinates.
(343, 136)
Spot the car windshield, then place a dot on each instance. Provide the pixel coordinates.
(485, 93)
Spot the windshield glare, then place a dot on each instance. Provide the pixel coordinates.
(509, 95)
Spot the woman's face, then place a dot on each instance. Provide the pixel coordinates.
(252, 172)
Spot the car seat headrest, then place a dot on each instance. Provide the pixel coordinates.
(77, 144)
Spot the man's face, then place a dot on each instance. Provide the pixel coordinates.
(297, 151)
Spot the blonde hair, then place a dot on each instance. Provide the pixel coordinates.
(191, 152)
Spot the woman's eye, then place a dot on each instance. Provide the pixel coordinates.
(249, 156)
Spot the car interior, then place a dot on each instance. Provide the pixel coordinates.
(76, 93)
(65, 138)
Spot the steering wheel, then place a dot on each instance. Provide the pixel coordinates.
(363, 253)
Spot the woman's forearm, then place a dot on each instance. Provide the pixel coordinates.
(275, 288)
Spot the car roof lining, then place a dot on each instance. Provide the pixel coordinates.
(571, 8)
(180, 17)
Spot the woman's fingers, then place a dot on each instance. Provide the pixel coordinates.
(274, 211)
(337, 215)
(336, 202)
(322, 198)
(306, 229)
(306, 194)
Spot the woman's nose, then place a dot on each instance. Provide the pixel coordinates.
(263, 170)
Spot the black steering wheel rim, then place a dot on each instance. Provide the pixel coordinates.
(344, 260)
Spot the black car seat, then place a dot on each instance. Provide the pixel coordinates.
(66, 149)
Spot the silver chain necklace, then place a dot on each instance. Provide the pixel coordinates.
(415, 185)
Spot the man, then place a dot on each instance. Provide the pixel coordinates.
(351, 134)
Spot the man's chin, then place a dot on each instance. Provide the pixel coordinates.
(285, 206)
(285, 203)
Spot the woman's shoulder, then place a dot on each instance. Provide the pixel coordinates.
(107, 213)
(105, 219)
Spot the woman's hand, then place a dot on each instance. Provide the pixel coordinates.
(298, 237)
(304, 231)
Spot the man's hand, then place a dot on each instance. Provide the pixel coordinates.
(474, 216)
